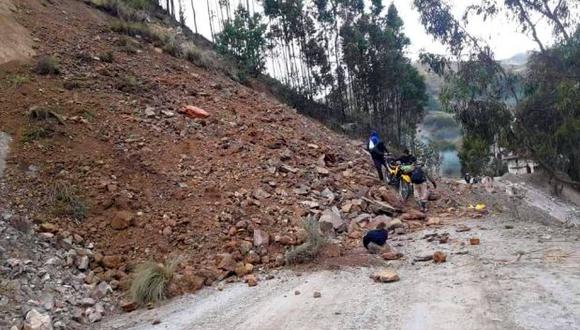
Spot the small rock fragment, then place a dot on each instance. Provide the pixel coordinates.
(462, 228)
(439, 257)
(385, 276)
(251, 280)
(261, 238)
(423, 258)
(392, 255)
(128, 305)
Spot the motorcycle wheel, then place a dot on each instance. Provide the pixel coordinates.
(405, 190)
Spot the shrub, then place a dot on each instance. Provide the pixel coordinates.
(36, 134)
(72, 84)
(192, 53)
(201, 58)
(128, 28)
(127, 45)
(106, 57)
(47, 65)
(150, 281)
(311, 247)
(17, 80)
(172, 46)
(156, 36)
(130, 10)
(140, 4)
(67, 202)
(129, 84)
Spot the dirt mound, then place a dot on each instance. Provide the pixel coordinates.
(102, 155)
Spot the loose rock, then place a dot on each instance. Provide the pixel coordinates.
(261, 238)
(439, 257)
(37, 321)
(385, 276)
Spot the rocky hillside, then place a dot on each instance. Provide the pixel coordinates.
(104, 171)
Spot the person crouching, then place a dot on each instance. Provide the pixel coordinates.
(375, 241)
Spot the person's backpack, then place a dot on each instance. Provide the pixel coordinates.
(373, 142)
(418, 176)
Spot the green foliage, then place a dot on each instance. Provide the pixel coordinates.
(474, 155)
(150, 281)
(428, 153)
(311, 247)
(16, 80)
(548, 120)
(36, 133)
(243, 39)
(129, 10)
(47, 65)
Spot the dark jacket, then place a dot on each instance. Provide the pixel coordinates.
(379, 151)
(377, 236)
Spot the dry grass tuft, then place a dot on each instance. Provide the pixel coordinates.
(67, 202)
(150, 281)
(47, 65)
(309, 249)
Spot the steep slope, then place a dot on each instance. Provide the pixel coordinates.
(132, 151)
(103, 162)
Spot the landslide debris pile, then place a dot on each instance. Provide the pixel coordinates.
(107, 172)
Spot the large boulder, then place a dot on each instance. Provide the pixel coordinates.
(333, 217)
(378, 220)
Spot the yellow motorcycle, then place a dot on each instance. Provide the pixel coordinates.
(399, 176)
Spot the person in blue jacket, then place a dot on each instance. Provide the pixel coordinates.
(376, 240)
(377, 149)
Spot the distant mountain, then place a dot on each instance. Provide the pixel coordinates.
(433, 84)
(519, 59)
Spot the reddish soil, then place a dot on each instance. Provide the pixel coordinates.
(189, 184)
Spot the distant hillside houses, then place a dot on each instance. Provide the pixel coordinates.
(518, 165)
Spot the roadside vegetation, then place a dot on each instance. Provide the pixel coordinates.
(150, 281)
(534, 113)
(311, 247)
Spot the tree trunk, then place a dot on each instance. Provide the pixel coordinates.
(210, 21)
(194, 17)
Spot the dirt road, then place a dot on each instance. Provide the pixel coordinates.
(525, 277)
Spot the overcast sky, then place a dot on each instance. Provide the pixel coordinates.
(500, 34)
